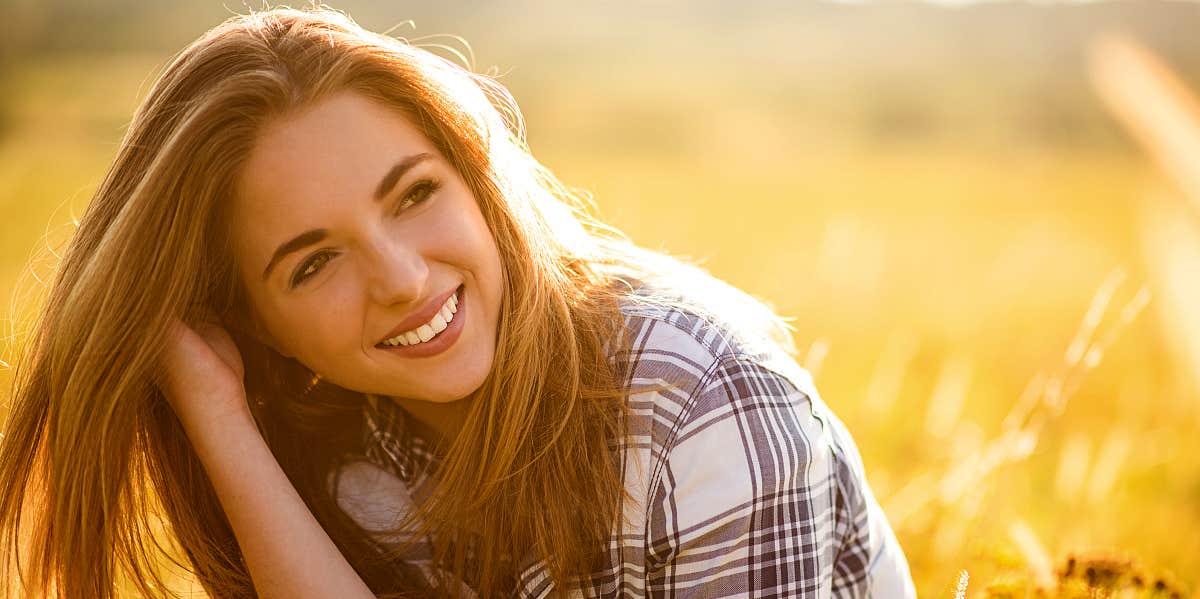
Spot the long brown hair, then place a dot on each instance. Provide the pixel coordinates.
(93, 458)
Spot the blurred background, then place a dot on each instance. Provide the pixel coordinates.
(977, 215)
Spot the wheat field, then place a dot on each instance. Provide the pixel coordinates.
(983, 222)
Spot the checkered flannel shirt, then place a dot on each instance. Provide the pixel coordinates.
(746, 484)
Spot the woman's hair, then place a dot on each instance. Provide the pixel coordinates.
(97, 471)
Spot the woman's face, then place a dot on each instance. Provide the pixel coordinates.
(358, 241)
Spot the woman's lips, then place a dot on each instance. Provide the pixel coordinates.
(441, 341)
(422, 316)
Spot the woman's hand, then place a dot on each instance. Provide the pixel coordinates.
(201, 374)
(287, 552)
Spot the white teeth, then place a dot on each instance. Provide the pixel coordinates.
(438, 323)
(427, 331)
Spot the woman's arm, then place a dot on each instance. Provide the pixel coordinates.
(286, 550)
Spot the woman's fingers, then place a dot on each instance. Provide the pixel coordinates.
(201, 372)
(219, 341)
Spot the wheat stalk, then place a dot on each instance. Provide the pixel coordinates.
(1163, 116)
(1044, 399)
(961, 591)
(1153, 105)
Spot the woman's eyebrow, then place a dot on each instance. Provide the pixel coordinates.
(393, 175)
(300, 241)
(308, 238)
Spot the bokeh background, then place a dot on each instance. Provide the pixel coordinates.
(988, 265)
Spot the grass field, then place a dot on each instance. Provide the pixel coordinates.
(993, 316)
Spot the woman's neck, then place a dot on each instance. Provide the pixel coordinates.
(437, 422)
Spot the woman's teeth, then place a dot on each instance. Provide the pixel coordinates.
(427, 331)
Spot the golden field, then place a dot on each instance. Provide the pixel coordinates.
(991, 281)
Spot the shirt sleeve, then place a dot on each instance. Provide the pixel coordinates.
(868, 561)
(757, 496)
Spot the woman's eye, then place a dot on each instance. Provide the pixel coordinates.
(309, 268)
(416, 194)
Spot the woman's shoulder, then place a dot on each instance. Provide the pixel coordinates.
(698, 329)
(741, 430)
(701, 359)
(693, 307)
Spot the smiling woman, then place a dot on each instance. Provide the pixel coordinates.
(329, 318)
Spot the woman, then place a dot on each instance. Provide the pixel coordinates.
(329, 318)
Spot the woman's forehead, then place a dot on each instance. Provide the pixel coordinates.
(306, 168)
(338, 148)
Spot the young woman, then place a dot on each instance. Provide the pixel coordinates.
(329, 321)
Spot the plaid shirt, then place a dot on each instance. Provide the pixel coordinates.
(746, 484)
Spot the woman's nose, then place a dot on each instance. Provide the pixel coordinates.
(397, 273)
